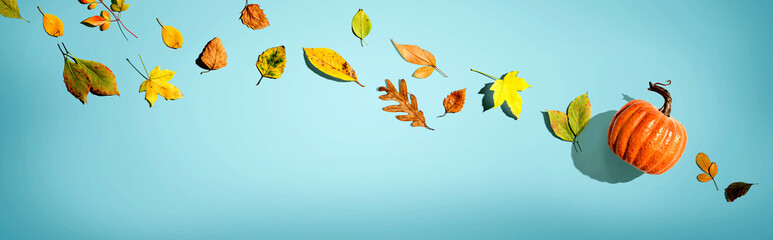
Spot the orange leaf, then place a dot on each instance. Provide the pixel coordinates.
(416, 55)
(704, 177)
(454, 101)
(94, 21)
(213, 56)
(408, 104)
(253, 17)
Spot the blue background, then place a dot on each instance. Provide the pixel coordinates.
(303, 157)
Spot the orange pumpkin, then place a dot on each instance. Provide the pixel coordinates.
(646, 137)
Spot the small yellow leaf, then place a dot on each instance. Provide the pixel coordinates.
(704, 177)
(713, 169)
(703, 162)
(52, 24)
(104, 14)
(104, 26)
(423, 72)
(171, 36)
(92, 6)
(271, 63)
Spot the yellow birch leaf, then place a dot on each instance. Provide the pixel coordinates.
(158, 84)
(171, 36)
(329, 62)
(52, 24)
(271, 63)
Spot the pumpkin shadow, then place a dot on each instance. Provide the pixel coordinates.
(319, 72)
(488, 101)
(596, 160)
(627, 98)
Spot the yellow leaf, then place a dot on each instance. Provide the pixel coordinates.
(171, 36)
(713, 169)
(703, 162)
(271, 63)
(704, 177)
(158, 84)
(52, 24)
(329, 62)
(506, 90)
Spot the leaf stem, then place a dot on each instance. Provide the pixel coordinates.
(358, 82)
(143, 65)
(41, 11)
(715, 183)
(135, 69)
(159, 22)
(261, 79)
(441, 72)
(444, 114)
(117, 18)
(481, 73)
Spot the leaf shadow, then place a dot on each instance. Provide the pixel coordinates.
(488, 100)
(596, 160)
(627, 98)
(319, 72)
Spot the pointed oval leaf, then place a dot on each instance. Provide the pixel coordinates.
(53, 25)
(101, 78)
(736, 190)
(94, 21)
(423, 72)
(92, 6)
(271, 63)
(579, 114)
(171, 36)
(560, 124)
(9, 8)
(361, 24)
(713, 169)
(331, 63)
(414, 54)
(76, 79)
(253, 17)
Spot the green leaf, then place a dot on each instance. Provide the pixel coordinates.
(560, 125)
(9, 8)
(76, 79)
(271, 63)
(579, 114)
(361, 25)
(101, 79)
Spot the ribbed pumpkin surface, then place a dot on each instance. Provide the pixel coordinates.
(646, 138)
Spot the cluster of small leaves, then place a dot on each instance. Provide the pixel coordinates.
(84, 76)
(709, 168)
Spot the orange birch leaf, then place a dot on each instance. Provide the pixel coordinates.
(253, 17)
(454, 102)
(213, 56)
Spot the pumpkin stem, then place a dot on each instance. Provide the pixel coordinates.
(659, 88)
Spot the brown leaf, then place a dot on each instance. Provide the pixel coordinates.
(253, 17)
(409, 106)
(213, 56)
(454, 101)
(736, 190)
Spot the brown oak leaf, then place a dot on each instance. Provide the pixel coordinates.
(213, 56)
(253, 17)
(454, 102)
(408, 104)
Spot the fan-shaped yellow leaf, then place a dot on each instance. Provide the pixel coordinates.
(171, 36)
(329, 62)
(52, 24)
(158, 84)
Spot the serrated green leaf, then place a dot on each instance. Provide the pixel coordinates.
(560, 124)
(361, 25)
(9, 8)
(579, 114)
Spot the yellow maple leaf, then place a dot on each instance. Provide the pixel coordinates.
(158, 84)
(506, 90)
